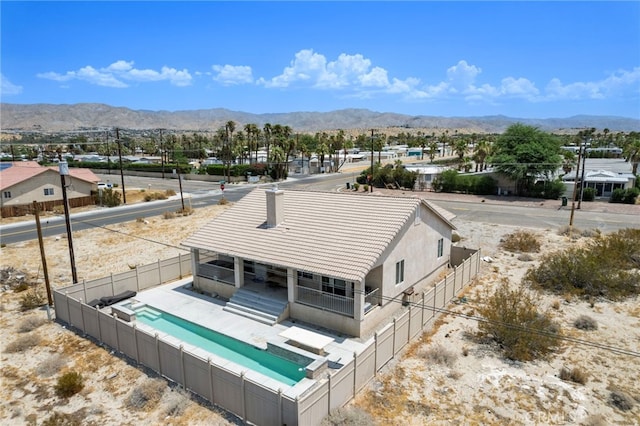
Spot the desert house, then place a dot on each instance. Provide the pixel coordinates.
(24, 182)
(341, 261)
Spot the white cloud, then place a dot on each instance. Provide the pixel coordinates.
(462, 75)
(116, 75)
(8, 88)
(229, 75)
(619, 82)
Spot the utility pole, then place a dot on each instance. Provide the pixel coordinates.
(162, 153)
(44, 259)
(371, 178)
(64, 171)
(108, 151)
(13, 155)
(124, 193)
(180, 184)
(584, 160)
(575, 188)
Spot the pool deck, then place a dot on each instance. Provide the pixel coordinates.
(177, 300)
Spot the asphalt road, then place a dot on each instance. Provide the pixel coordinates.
(206, 193)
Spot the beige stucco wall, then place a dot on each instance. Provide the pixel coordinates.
(417, 244)
(31, 190)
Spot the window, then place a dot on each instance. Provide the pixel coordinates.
(48, 191)
(306, 275)
(400, 272)
(336, 286)
(6, 194)
(440, 247)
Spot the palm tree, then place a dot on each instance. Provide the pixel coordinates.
(277, 157)
(480, 153)
(229, 128)
(460, 148)
(321, 151)
(267, 130)
(433, 149)
(631, 151)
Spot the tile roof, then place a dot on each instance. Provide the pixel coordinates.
(21, 171)
(341, 235)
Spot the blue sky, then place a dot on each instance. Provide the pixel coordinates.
(519, 59)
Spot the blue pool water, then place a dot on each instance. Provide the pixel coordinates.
(267, 363)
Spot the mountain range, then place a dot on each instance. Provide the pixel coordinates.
(84, 116)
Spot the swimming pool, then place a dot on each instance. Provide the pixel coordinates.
(246, 355)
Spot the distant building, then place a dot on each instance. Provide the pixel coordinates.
(26, 181)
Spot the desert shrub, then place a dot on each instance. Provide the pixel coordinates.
(356, 186)
(438, 354)
(585, 322)
(511, 319)
(575, 375)
(152, 196)
(588, 194)
(51, 365)
(621, 400)
(223, 201)
(30, 323)
(110, 198)
(348, 416)
(31, 299)
(23, 343)
(148, 393)
(605, 267)
(169, 215)
(176, 402)
(62, 419)
(525, 257)
(521, 242)
(20, 287)
(69, 384)
(365, 188)
(170, 192)
(187, 211)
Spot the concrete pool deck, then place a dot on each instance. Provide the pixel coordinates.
(176, 299)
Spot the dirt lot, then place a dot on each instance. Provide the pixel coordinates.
(475, 385)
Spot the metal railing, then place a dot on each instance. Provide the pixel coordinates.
(217, 273)
(326, 301)
(371, 299)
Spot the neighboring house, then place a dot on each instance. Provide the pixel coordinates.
(27, 181)
(426, 174)
(604, 175)
(342, 261)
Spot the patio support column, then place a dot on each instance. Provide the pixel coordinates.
(292, 285)
(238, 271)
(358, 301)
(195, 261)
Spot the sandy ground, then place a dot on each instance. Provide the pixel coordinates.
(479, 387)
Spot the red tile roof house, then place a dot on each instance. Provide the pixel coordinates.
(26, 181)
(342, 261)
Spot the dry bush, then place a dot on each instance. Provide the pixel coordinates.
(62, 419)
(585, 322)
(595, 420)
(621, 400)
(521, 242)
(348, 416)
(223, 201)
(606, 266)
(31, 299)
(140, 220)
(51, 365)
(30, 323)
(525, 257)
(575, 375)
(168, 215)
(146, 394)
(512, 319)
(187, 211)
(23, 343)
(169, 192)
(438, 354)
(176, 402)
(69, 384)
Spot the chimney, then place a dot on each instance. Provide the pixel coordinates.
(275, 206)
